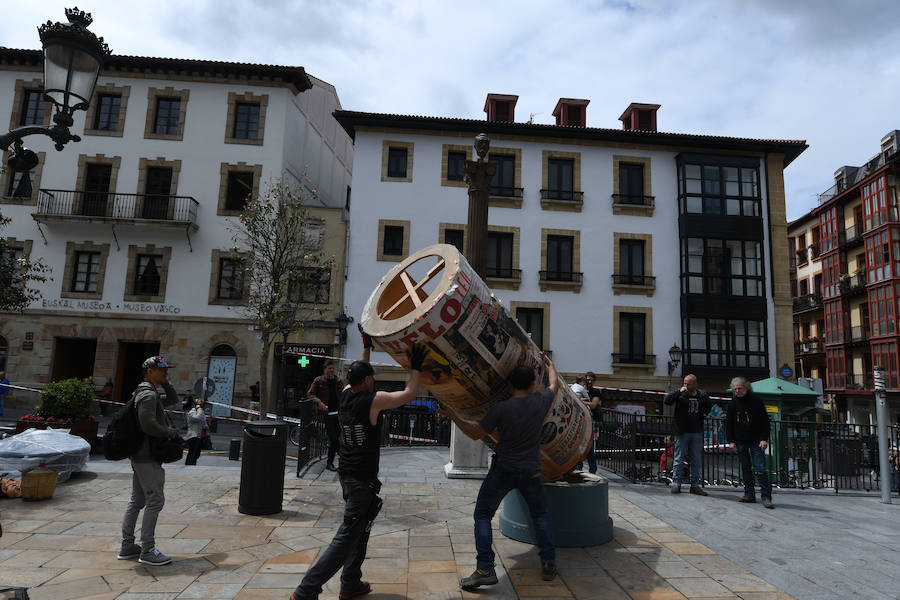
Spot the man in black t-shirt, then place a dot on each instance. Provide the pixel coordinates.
(360, 421)
(326, 391)
(516, 465)
(691, 407)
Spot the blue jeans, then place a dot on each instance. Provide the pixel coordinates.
(692, 444)
(752, 452)
(348, 548)
(494, 488)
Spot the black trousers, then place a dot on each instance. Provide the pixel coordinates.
(333, 429)
(348, 548)
(193, 453)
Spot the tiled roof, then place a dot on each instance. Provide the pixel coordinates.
(295, 76)
(350, 120)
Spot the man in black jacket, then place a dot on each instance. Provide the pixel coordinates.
(359, 416)
(691, 407)
(747, 428)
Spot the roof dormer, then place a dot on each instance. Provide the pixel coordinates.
(640, 116)
(500, 107)
(570, 112)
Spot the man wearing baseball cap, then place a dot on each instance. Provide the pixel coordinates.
(148, 478)
(359, 414)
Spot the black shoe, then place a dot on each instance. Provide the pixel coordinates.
(747, 500)
(768, 504)
(478, 578)
(295, 596)
(698, 491)
(361, 590)
(330, 467)
(676, 489)
(548, 571)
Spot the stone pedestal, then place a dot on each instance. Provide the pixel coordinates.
(468, 458)
(579, 509)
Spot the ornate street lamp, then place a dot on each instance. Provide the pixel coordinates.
(72, 60)
(674, 358)
(342, 321)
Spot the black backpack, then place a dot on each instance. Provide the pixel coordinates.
(123, 434)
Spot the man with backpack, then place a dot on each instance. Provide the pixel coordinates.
(148, 477)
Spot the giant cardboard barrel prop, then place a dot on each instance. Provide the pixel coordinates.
(435, 297)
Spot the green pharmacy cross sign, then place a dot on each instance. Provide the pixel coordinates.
(303, 361)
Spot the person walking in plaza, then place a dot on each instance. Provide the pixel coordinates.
(105, 397)
(747, 430)
(691, 407)
(516, 465)
(196, 419)
(360, 421)
(4, 390)
(148, 477)
(326, 391)
(591, 398)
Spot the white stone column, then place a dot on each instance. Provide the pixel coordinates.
(468, 457)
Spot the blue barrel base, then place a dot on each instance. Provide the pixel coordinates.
(579, 510)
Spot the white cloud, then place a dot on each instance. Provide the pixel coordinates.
(821, 70)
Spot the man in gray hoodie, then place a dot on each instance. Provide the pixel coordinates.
(148, 477)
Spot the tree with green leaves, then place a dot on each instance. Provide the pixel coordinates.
(282, 266)
(17, 273)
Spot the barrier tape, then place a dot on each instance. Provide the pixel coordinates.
(654, 392)
(397, 436)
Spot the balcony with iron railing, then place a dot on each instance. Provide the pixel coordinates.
(560, 280)
(113, 207)
(856, 381)
(565, 200)
(505, 196)
(807, 347)
(626, 359)
(629, 200)
(850, 285)
(503, 273)
(833, 191)
(807, 303)
(857, 334)
(629, 279)
(814, 250)
(627, 283)
(802, 257)
(850, 235)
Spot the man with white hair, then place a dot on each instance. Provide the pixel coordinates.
(691, 407)
(747, 428)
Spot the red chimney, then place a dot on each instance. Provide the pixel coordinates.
(571, 112)
(640, 116)
(500, 107)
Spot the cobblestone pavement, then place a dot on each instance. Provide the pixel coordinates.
(421, 544)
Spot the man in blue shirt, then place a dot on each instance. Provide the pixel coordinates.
(516, 465)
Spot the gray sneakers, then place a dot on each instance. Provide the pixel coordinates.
(129, 550)
(154, 557)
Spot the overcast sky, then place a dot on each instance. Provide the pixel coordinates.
(825, 71)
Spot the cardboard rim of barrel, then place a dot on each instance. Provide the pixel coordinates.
(399, 295)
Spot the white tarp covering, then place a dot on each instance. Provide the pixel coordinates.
(56, 448)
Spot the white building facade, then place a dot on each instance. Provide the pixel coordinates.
(134, 219)
(599, 243)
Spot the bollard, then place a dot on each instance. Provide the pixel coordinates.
(234, 450)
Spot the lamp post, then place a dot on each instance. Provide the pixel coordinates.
(881, 415)
(674, 360)
(343, 319)
(72, 60)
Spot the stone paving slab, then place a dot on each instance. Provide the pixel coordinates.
(421, 544)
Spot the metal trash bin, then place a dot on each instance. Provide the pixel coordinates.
(262, 468)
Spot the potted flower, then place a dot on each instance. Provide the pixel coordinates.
(64, 405)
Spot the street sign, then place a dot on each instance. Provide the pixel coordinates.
(786, 371)
(204, 388)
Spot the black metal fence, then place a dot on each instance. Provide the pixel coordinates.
(801, 454)
(414, 424)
